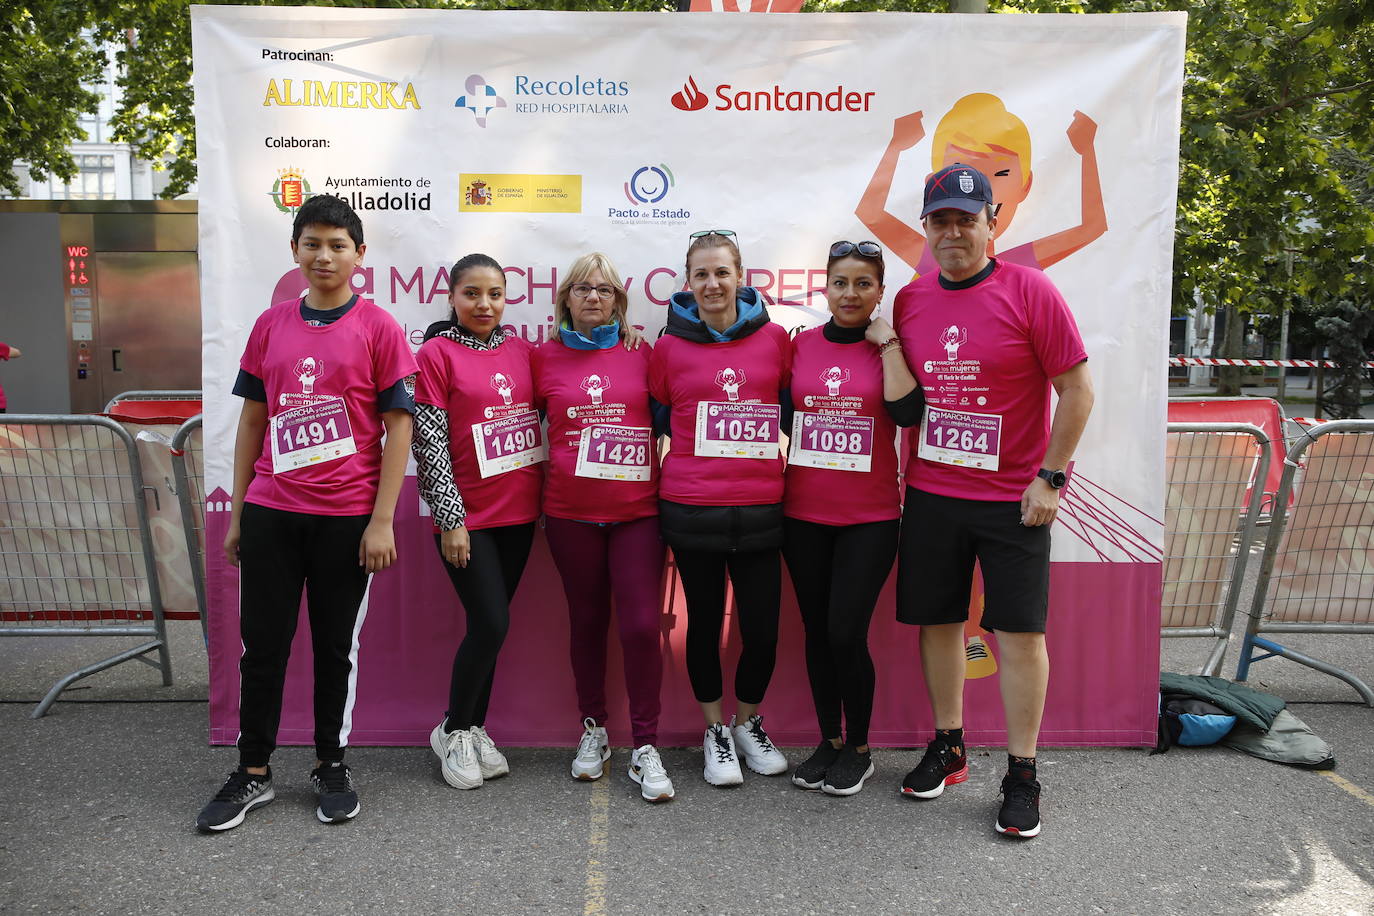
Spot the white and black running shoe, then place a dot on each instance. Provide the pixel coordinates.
(338, 799)
(757, 749)
(243, 792)
(847, 774)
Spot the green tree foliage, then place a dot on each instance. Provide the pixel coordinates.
(1278, 122)
(44, 60)
(1348, 328)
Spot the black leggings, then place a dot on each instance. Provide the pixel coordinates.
(757, 579)
(485, 587)
(837, 572)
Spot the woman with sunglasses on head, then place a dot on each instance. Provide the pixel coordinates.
(478, 452)
(843, 502)
(720, 370)
(601, 509)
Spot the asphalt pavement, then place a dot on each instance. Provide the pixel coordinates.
(100, 798)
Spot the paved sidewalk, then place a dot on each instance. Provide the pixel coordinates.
(100, 797)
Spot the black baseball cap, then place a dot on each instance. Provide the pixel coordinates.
(959, 186)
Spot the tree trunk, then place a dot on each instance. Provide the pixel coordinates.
(968, 6)
(1232, 347)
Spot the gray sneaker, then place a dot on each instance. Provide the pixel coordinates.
(243, 792)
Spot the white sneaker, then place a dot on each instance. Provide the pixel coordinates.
(646, 768)
(722, 766)
(491, 761)
(457, 756)
(593, 750)
(757, 748)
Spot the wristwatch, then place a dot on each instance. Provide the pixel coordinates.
(1056, 479)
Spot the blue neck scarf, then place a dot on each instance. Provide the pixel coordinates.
(603, 337)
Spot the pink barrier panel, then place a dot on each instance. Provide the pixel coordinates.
(1266, 413)
(1104, 646)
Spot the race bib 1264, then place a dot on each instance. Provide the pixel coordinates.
(958, 437)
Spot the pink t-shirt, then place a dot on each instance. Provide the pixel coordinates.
(489, 397)
(4, 354)
(842, 462)
(616, 478)
(731, 375)
(985, 356)
(322, 452)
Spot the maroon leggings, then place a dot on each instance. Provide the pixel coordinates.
(624, 561)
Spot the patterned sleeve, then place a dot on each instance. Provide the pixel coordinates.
(435, 467)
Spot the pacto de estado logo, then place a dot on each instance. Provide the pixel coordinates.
(649, 184)
(290, 190)
(771, 98)
(480, 98)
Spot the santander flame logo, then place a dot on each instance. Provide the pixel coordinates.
(691, 98)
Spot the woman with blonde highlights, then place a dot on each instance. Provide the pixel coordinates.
(601, 509)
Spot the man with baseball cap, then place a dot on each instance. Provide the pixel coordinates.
(986, 340)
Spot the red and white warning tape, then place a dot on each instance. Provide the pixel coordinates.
(1285, 363)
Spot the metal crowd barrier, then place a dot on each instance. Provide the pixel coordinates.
(76, 550)
(188, 472)
(152, 396)
(1317, 574)
(1210, 514)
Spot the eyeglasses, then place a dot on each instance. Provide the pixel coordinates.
(585, 291)
(865, 249)
(705, 232)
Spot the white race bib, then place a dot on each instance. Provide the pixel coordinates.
(971, 440)
(831, 442)
(311, 434)
(614, 453)
(735, 429)
(508, 443)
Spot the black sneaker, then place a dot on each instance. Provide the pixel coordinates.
(940, 767)
(811, 773)
(243, 792)
(338, 801)
(1020, 814)
(847, 774)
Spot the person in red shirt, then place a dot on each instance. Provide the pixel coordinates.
(720, 370)
(322, 379)
(843, 501)
(601, 509)
(479, 452)
(7, 352)
(988, 340)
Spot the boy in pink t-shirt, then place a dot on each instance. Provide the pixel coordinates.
(315, 488)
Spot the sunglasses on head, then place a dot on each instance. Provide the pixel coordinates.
(864, 249)
(705, 232)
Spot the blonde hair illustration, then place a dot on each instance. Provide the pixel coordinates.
(980, 123)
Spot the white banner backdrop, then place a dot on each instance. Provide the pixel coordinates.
(538, 136)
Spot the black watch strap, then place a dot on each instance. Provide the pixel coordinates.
(1056, 479)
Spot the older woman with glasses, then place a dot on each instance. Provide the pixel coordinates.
(843, 502)
(601, 509)
(720, 369)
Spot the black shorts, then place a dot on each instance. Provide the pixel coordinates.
(941, 537)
